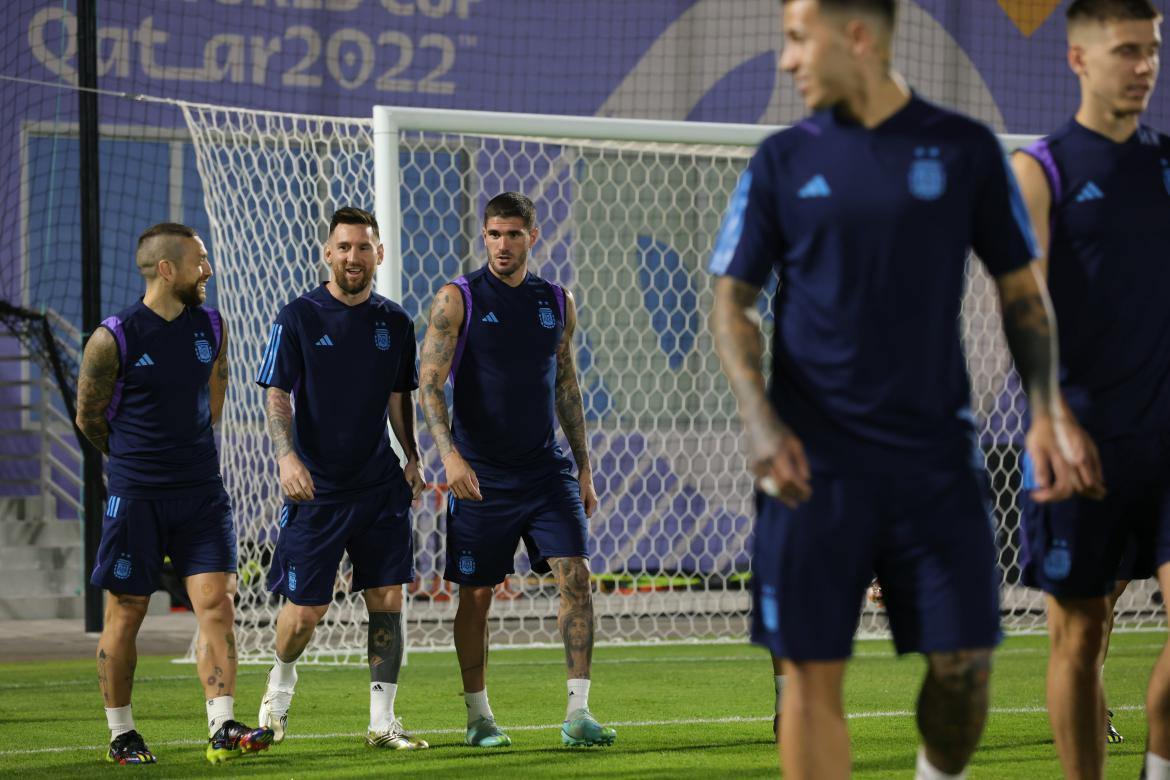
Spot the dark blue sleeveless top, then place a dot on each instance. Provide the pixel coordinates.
(504, 377)
(161, 440)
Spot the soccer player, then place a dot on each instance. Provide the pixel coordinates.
(152, 385)
(1098, 192)
(504, 336)
(863, 445)
(340, 361)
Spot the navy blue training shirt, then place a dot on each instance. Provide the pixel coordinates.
(161, 441)
(869, 231)
(1109, 273)
(340, 363)
(504, 377)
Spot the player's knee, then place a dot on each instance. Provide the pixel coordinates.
(961, 672)
(475, 600)
(576, 585)
(384, 599)
(125, 610)
(305, 619)
(1077, 628)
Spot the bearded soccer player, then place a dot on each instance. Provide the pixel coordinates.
(863, 446)
(1098, 191)
(340, 362)
(152, 385)
(504, 336)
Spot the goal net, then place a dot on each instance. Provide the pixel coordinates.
(628, 212)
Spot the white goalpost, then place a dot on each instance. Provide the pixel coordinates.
(628, 212)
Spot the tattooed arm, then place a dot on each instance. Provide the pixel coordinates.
(438, 353)
(219, 377)
(295, 479)
(571, 409)
(776, 454)
(95, 387)
(1063, 456)
(401, 409)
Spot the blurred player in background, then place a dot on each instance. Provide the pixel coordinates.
(1098, 192)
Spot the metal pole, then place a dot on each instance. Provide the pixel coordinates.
(91, 279)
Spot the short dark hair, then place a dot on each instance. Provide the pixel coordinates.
(886, 9)
(150, 251)
(511, 204)
(351, 215)
(1110, 11)
(166, 229)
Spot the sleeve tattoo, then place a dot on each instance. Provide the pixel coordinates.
(438, 352)
(569, 404)
(278, 409)
(95, 387)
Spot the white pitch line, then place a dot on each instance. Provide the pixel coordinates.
(552, 726)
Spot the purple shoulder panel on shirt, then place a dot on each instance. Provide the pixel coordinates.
(216, 328)
(1039, 151)
(114, 326)
(559, 294)
(465, 291)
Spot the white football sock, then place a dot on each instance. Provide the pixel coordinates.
(220, 710)
(1157, 768)
(477, 706)
(120, 720)
(283, 675)
(927, 771)
(578, 695)
(382, 705)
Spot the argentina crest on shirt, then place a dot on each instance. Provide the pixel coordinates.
(546, 317)
(381, 336)
(928, 177)
(202, 348)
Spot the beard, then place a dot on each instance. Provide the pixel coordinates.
(352, 287)
(191, 296)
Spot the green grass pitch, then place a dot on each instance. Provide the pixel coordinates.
(681, 711)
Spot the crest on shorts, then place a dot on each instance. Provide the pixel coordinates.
(1166, 175)
(202, 348)
(122, 568)
(1057, 561)
(928, 177)
(381, 336)
(466, 563)
(546, 317)
(292, 578)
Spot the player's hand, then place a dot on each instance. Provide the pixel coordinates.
(1049, 446)
(461, 479)
(588, 492)
(778, 462)
(1080, 451)
(414, 478)
(295, 479)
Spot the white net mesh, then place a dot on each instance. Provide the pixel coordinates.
(628, 227)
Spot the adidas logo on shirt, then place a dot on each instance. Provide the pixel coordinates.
(816, 187)
(490, 317)
(325, 341)
(145, 360)
(1090, 192)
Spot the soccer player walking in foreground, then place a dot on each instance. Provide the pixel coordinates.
(342, 357)
(504, 336)
(1098, 190)
(153, 381)
(863, 445)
